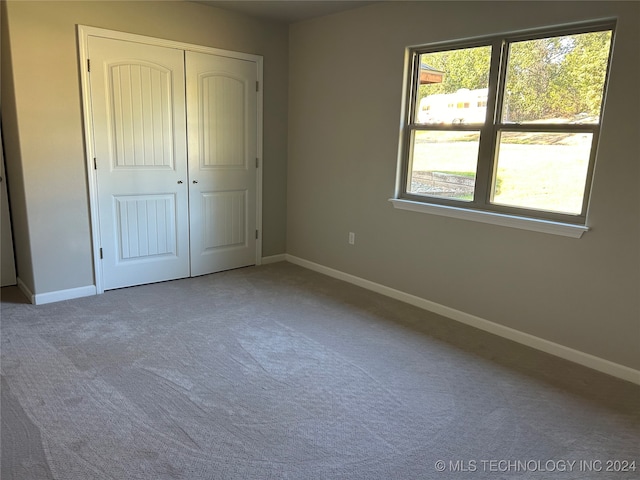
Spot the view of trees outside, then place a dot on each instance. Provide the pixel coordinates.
(556, 80)
(463, 68)
(559, 77)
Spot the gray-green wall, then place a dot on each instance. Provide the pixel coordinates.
(42, 121)
(346, 79)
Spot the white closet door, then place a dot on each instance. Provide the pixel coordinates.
(222, 122)
(138, 106)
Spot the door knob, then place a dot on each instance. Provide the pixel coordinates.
(179, 182)
(195, 181)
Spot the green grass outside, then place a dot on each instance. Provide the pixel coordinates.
(546, 176)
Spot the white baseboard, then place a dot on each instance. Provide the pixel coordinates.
(25, 290)
(567, 353)
(58, 295)
(274, 259)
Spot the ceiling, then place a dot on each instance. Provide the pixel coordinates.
(287, 11)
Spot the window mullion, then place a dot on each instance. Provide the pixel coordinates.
(488, 132)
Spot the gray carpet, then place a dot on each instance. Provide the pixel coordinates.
(277, 372)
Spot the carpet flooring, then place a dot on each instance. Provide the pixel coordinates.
(278, 372)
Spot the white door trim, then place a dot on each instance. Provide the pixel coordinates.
(84, 32)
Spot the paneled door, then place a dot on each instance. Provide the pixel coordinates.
(221, 112)
(139, 126)
(175, 143)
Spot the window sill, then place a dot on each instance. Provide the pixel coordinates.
(543, 226)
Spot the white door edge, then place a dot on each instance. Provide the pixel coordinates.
(84, 32)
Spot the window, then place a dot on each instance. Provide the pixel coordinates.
(507, 125)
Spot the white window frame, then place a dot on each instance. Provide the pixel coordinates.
(480, 209)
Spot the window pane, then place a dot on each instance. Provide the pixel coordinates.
(443, 164)
(542, 171)
(557, 79)
(453, 86)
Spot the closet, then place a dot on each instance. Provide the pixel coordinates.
(175, 172)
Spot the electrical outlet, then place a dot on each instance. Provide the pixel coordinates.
(352, 238)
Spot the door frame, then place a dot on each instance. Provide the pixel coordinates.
(8, 276)
(84, 32)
